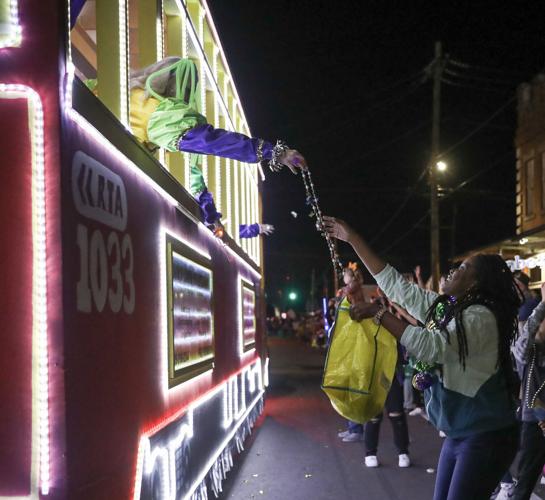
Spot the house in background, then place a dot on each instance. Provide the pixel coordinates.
(526, 250)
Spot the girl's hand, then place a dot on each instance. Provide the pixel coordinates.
(293, 160)
(543, 292)
(337, 228)
(363, 310)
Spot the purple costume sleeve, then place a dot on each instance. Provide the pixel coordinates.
(207, 140)
(208, 207)
(248, 230)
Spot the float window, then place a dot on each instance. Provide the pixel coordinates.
(247, 315)
(98, 38)
(190, 312)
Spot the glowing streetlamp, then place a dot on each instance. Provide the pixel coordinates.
(441, 166)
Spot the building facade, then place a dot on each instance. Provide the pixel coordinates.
(525, 251)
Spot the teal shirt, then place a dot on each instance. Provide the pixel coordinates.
(459, 416)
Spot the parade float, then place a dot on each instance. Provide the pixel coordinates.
(133, 362)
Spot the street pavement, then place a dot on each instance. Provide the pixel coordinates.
(294, 452)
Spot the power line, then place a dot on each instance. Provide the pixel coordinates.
(468, 180)
(479, 127)
(406, 233)
(464, 183)
(448, 195)
(418, 77)
(478, 78)
(400, 207)
(415, 81)
(465, 65)
(338, 126)
(380, 147)
(452, 83)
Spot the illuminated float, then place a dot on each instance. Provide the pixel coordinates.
(133, 362)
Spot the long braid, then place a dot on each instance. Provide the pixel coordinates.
(494, 289)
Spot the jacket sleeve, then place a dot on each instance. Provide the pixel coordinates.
(248, 230)
(433, 346)
(207, 140)
(521, 349)
(408, 295)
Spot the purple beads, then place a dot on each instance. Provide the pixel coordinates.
(422, 380)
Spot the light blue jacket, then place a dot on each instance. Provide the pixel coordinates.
(466, 401)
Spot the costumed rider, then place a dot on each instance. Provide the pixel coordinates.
(164, 112)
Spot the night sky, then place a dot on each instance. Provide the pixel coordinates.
(345, 84)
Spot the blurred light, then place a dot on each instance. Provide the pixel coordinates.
(523, 241)
(292, 296)
(324, 311)
(283, 315)
(441, 166)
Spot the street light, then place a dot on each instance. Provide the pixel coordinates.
(441, 166)
(292, 296)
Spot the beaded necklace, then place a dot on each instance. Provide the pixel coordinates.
(423, 378)
(312, 200)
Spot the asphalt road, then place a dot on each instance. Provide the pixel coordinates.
(294, 452)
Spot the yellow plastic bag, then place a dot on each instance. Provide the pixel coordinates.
(359, 367)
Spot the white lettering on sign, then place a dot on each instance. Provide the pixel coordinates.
(518, 264)
(105, 272)
(98, 193)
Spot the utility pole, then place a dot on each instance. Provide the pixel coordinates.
(434, 200)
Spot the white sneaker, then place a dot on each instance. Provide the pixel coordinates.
(506, 491)
(353, 437)
(417, 411)
(404, 460)
(371, 461)
(343, 434)
(442, 434)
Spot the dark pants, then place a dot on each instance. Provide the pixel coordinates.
(471, 467)
(394, 404)
(532, 458)
(354, 427)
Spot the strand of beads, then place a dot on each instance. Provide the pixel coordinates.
(312, 200)
(423, 378)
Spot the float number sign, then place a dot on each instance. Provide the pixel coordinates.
(106, 257)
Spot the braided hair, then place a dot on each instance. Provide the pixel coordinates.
(495, 289)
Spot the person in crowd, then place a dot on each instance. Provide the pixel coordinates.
(353, 432)
(507, 485)
(418, 276)
(353, 291)
(412, 399)
(530, 349)
(398, 419)
(466, 341)
(530, 300)
(394, 404)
